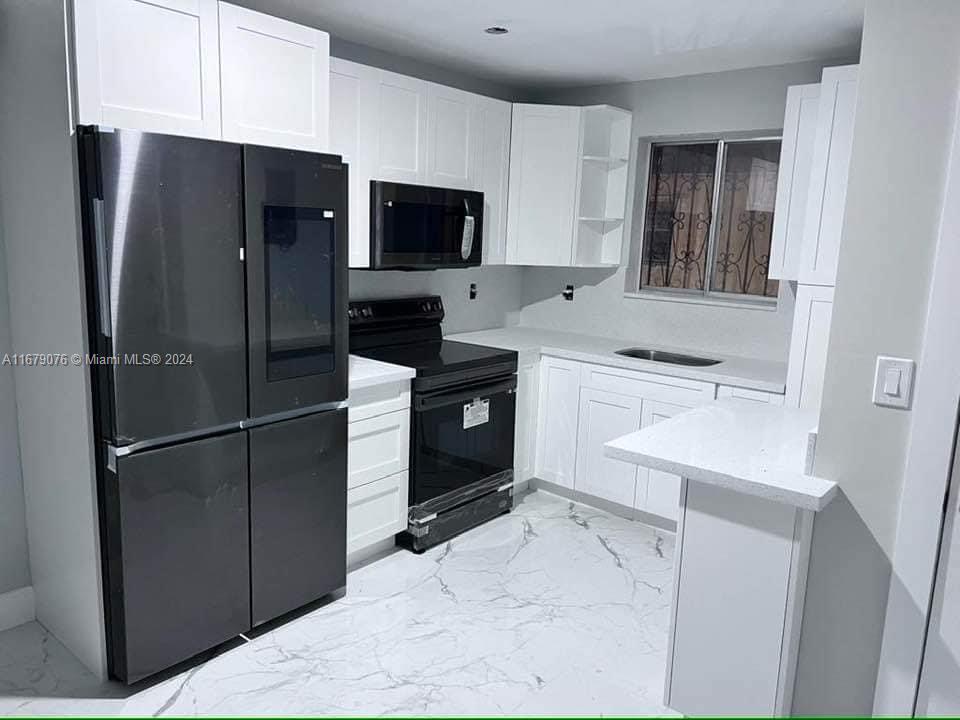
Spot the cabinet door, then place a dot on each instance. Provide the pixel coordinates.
(525, 434)
(557, 421)
(401, 122)
(830, 166)
(150, 65)
(808, 346)
(606, 416)
(544, 166)
(495, 169)
(276, 80)
(662, 495)
(353, 135)
(453, 138)
(793, 180)
(376, 511)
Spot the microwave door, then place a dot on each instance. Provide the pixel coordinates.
(296, 258)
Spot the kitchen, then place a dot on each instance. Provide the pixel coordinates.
(558, 279)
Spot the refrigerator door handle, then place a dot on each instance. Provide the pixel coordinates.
(103, 275)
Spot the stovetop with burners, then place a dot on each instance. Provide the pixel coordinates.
(406, 331)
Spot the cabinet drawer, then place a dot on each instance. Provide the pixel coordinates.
(727, 391)
(376, 511)
(646, 385)
(378, 447)
(376, 400)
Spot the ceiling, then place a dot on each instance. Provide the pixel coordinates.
(580, 42)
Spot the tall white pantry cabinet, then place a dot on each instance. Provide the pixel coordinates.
(811, 195)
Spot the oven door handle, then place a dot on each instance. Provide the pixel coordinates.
(424, 403)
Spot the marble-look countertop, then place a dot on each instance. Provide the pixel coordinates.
(750, 447)
(765, 375)
(365, 372)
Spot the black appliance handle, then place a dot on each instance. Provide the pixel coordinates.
(424, 403)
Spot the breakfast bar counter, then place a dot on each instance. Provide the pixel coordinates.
(743, 543)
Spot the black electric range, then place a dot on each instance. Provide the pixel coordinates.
(463, 411)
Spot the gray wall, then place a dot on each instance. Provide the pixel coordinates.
(39, 229)
(738, 100)
(14, 568)
(498, 293)
(906, 109)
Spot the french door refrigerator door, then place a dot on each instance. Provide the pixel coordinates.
(177, 522)
(298, 512)
(163, 228)
(296, 256)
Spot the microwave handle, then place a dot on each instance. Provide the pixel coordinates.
(432, 402)
(469, 224)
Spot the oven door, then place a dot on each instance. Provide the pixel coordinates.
(296, 258)
(461, 437)
(415, 227)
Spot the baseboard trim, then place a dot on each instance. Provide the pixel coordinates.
(17, 607)
(628, 513)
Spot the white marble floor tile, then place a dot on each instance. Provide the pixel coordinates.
(556, 608)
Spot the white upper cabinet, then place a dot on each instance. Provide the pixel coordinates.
(829, 169)
(793, 180)
(276, 78)
(568, 183)
(544, 159)
(149, 65)
(353, 111)
(401, 122)
(494, 174)
(453, 138)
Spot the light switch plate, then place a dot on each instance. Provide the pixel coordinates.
(893, 382)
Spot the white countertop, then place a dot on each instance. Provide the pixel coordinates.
(764, 375)
(367, 373)
(750, 447)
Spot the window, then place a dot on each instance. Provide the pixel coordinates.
(708, 218)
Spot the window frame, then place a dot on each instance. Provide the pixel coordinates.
(706, 296)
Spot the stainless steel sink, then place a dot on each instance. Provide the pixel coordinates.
(667, 357)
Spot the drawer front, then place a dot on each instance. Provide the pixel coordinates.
(376, 511)
(369, 402)
(664, 388)
(726, 391)
(379, 446)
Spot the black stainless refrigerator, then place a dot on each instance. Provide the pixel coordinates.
(216, 295)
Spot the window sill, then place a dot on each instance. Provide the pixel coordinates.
(737, 303)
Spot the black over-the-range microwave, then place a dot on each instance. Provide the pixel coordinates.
(416, 227)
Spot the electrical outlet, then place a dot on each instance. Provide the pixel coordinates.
(568, 293)
(473, 291)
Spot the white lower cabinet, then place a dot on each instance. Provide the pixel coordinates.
(376, 511)
(378, 459)
(583, 405)
(768, 398)
(525, 433)
(661, 494)
(605, 416)
(557, 420)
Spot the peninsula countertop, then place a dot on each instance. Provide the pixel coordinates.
(753, 448)
(753, 374)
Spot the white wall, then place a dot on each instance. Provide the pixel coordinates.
(39, 229)
(14, 567)
(739, 100)
(906, 110)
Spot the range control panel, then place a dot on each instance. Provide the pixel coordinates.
(396, 311)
